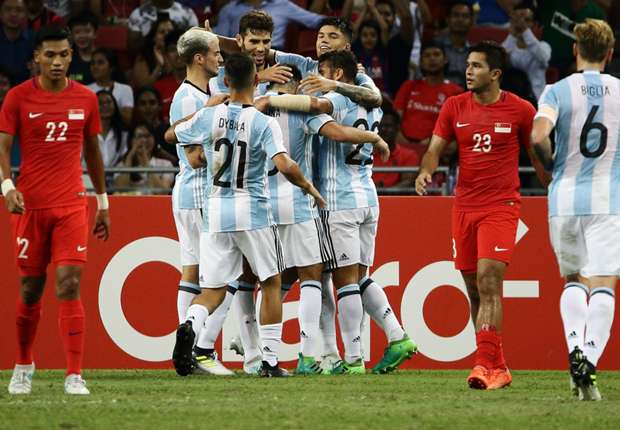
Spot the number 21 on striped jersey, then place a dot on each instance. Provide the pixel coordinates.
(483, 142)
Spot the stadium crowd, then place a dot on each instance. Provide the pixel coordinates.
(415, 51)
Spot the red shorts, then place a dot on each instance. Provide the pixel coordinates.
(487, 234)
(57, 235)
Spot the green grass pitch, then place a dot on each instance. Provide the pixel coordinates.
(141, 399)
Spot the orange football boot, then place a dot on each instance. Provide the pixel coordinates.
(499, 378)
(479, 378)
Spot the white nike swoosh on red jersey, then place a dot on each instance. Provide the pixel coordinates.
(34, 115)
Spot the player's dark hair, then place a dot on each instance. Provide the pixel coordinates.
(461, 3)
(256, 20)
(117, 121)
(240, 71)
(83, 19)
(51, 32)
(343, 25)
(295, 79)
(495, 54)
(344, 60)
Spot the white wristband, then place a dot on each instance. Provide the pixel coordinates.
(102, 202)
(7, 185)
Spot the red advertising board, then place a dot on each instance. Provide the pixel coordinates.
(130, 283)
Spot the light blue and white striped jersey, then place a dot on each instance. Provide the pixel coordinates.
(238, 140)
(190, 184)
(309, 66)
(218, 86)
(290, 205)
(585, 108)
(345, 170)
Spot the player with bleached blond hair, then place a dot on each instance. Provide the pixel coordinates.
(584, 197)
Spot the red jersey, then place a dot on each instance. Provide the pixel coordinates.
(51, 128)
(489, 139)
(420, 103)
(399, 157)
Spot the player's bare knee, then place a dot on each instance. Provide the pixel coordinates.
(68, 286)
(489, 282)
(31, 289)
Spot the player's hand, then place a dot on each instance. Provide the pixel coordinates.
(383, 149)
(361, 68)
(15, 202)
(313, 84)
(102, 225)
(207, 26)
(277, 73)
(217, 99)
(261, 103)
(318, 198)
(423, 179)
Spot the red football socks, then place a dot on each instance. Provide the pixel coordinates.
(27, 319)
(489, 351)
(71, 325)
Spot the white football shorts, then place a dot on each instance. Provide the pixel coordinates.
(189, 226)
(350, 236)
(221, 255)
(302, 243)
(586, 244)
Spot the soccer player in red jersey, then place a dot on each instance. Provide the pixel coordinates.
(489, 126)
(55, 120)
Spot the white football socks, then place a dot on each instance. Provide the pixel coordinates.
(574, 311)
(271, 337)
(215, 322)
(376, 304)
(350, 313)
(186, 293)
(309, 316)
(197, 314)
(327, 322)
(248, 327)
(598, 325)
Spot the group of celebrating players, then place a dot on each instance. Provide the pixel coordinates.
(275, 187)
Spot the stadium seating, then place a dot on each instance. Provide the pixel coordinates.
(112, 37)
(483, 32)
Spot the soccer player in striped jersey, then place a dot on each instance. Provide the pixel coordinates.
(200, 51)
(238, 221)
(298, 221)
(584, 197)
(350, 222)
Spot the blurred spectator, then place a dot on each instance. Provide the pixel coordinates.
(400, 41)
(150, 63)
(559, 18)
(141, 153)
(419, 101)
(494, 12)
(143, 18)
(149, 110)
(83, 32)
(168, 85)
(370, 52)
(328, 7)
(16, 42)
(65, 8)
(5, 83)
(113, 136)
(454, 43)
(420, 16)
(39, 15)
(105, 71)
(399, 155)
(283, 12)
(526, 52)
